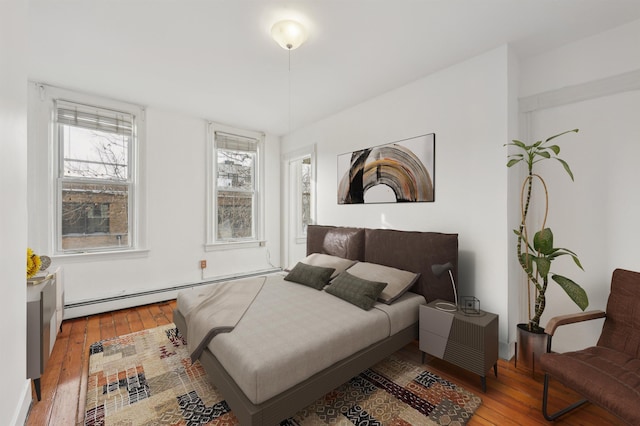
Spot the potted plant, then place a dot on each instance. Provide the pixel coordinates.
(537, 254)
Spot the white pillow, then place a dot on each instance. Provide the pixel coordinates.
(398, 281)
(327, 261)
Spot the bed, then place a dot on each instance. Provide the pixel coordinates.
(407, 251)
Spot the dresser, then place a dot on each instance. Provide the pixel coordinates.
(467, 340)
(45, 301)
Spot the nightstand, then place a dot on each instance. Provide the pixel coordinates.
(469, 341)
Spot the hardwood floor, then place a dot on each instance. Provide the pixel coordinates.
(511, 398)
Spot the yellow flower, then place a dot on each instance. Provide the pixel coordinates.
(33, 263)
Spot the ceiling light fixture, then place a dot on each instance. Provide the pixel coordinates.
(288, 34)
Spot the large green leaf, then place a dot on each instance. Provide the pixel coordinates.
(543, 241)
(566, 251)
(566, 167)
(573, 290)
(555, 149)
(577, 261)
(560, 134)
(544, 265)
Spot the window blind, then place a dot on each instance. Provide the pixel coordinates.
(93, 118)
(235, 142)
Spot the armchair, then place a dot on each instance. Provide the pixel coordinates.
(607, 374)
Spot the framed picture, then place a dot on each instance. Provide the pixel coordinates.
(397, 172)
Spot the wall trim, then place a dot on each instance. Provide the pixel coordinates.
(121, 301)
(24, 405)
(168, 289)
(581, 92)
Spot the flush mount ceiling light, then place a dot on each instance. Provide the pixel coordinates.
(289, 34)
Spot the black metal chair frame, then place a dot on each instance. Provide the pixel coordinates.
(550, 329)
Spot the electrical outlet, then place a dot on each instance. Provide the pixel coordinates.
(203, 264)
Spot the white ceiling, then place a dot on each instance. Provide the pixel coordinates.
(215, 59)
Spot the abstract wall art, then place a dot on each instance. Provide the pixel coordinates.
(396, 172)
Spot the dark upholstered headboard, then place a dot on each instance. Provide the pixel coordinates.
(411, 251)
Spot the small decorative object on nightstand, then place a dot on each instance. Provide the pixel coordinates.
(468, 341)
(470, 305)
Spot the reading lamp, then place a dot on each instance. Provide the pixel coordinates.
(438, 270)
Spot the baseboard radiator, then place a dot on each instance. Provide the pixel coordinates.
(113, 303)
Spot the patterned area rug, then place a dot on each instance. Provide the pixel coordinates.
(146, 378)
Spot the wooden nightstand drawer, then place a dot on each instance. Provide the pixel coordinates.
(432, 343)
(435, 321)
(468, 341)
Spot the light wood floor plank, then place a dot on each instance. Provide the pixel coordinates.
(133, 317)
(107, 327)
(50, 378)
(146, 317)
(93, 336)
(66, 400)
(121, 322)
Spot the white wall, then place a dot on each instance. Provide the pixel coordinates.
(466, 106)
(15, 396)
(514, 272)
(173, 172)
(597, 215)
(603, 55)
(471, 108)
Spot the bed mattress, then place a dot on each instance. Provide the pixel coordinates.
(291, 332)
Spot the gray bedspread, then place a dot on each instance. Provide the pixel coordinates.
(219, 309)
(290, 332)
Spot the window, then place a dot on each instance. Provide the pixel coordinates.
(304, 195)
(235, 188)
(95, 177)
(85, 218)
(299, 169)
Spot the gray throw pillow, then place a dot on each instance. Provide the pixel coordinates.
(398, 281)
(313, 276)
(328, 261)
(360, 292)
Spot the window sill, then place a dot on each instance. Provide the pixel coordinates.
(103, 255)
(234, 245)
